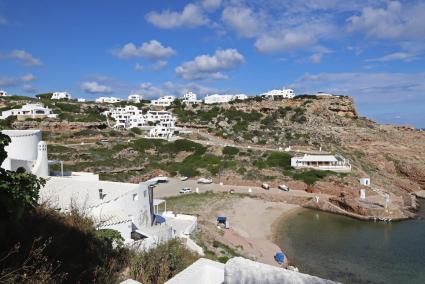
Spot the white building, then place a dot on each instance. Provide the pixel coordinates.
(61, 96)
(81, 100)
(321, 162)
(3, 93)
(29, 111)
(135, 98)
(126, 117)
(161, 131)
(323, 94)
(163, 101)
(240, 97)
(190, 98)
(240, 270)
(26, 152)
(278, 94)
(217, 99)
(108, 100)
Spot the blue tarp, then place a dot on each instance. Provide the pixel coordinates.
(159, 219)
(221, 219)
(279, 257)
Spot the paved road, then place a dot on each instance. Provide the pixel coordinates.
(174, 185)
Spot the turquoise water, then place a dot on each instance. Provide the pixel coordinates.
(352, 251)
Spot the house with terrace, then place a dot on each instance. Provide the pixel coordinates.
(322, 162)
(163, 101)
(190, 98)
(61, 96)
(108, 100)
(29, 111)
(278, 94)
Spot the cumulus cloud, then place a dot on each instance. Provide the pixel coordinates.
(191, 16)
(24, 57)
(210, 66)
(242, 20)
(286, 41)
(149, 91)
(211, 5)
(93, 87)
(151, 50)
(395, 21)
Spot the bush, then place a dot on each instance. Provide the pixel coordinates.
(230, 151)
(161, 263)
(279, 160)
(136, 130)
(310, 177)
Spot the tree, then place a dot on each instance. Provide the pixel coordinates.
(18, 190)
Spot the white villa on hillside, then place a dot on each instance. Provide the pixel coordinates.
(135, 98)
(26, 152)
(3, 93)
(220, 99)
(321, 162)
(127, 208)
(124, 115)
(323, 94)
(81, 100)
(61, 96)
(163, 101)
(190, 98)
(108, 100)
(29, 111)
(278, 94)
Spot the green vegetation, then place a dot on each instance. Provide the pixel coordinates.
(310, 177)
(230, 151)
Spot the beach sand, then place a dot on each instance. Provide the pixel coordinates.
(252, 223)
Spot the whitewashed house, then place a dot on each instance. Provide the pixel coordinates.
(61, 96)
(161, 131)
(108, 100)
(126, 116)
(36, 110)
(278, 94)
(323, 94)
(240, 97)
(81, 100)
(218, 99)
(190, 98)
(322, 162)
(135, 98)
(3, 93)
(163, 101)
(26, 152)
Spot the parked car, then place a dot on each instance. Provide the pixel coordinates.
(184, 178)
(283, 187)
(265, 186)
(204, 181)
(185, 190)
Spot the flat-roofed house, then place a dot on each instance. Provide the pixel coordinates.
(278, 94)
(190, 98)
(321, 162)
(134, 98)
(163, 101)
(61, 96)
(29, 111)
(108, 100)
(3, 93)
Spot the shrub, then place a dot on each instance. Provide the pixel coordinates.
(136, 130)
(311, 176)
(279, 159)
(230, 151)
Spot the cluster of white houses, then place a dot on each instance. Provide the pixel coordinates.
(161, 124)
(128, 208)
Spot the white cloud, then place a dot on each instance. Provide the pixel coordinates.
(152, 50)
(149, 91)
(28, 78)
(24, 57)
(29, 88)
(191, 16)
(210, 66)
(159, 65)
(242, 20)
(395, 21)
(138, 67)
(403, 56)
(286, 41)
(211, 5)
(93, 87)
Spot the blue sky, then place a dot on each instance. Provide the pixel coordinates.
(371, 50)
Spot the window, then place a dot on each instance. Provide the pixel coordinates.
(135, 197)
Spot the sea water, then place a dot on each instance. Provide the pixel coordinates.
(352, 251)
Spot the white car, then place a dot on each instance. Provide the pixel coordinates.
(184, 178)
(185, 190)
(265, 186)
(204, 181)
(283, 187)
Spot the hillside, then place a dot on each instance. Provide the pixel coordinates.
(391, 156)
